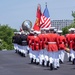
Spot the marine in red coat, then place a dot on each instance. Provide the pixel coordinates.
(31, 45)
(36, 47)
(36, 41)
(73, 50)
(42, 46)
(70, 38)
(61, 45)
(61, 41)
(29, 39)
(52, 42)
(42, 39)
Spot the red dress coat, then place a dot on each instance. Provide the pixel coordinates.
(73, 42)
(67, 39)
(61, 42)
(70, 40)
(35, 43)
(42, 41)
(52, 40)
(45, 42)
(30, 41)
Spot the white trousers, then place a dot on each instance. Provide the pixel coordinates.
(54, 58)
(19, 48)
(30, 53)
(46, 57)
(15, 46)
(36, 56)
(68, 54)
(41, 56)
(72, 55)
(61, 55)
(28, 48)
(24, 50)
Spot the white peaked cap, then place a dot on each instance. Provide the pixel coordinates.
(32, 29)
(31, 32)
(22, 32)
(15, 32)
(55, 29)
(38, 32)
(46, 28)
(41, 28)
(19, 32)
(59, 31)
(52, 27)
(71, 29)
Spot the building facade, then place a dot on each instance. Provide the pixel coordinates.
(59, 24)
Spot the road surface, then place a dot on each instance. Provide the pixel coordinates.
(12, 63)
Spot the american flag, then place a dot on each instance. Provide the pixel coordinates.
(45, 21)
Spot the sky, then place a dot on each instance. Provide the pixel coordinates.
(14, 12)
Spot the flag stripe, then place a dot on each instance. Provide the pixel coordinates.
(45, 19)
(49, 25)
(48, 22)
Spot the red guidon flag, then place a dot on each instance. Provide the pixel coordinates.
(38, 17)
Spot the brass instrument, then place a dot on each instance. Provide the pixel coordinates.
(27, 25)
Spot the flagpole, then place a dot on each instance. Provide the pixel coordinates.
(46, 4)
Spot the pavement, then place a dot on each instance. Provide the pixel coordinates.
(12, 63)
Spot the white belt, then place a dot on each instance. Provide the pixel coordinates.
(70, 41)
(32, 43)
(62, 43)
(51, 42)
(37, 44)
(23, 41)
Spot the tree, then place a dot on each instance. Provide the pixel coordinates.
(6, 34)
(65, 29)
(73, 14)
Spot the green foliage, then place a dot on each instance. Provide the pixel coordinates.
(73, 14)
(65, 29)
(6, 34)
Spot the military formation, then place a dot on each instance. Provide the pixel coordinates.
(46, 47)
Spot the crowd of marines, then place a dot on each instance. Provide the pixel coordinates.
(46, 47)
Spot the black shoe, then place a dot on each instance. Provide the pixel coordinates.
(21, 54)
(51, 66)
(58, 67)
(60, 61)
(43, 63)
(31, 60)
(15, 51)
(69, 59)
(47, 63)
(37, 63)
(55, 68)
(28, 52)
(73, 62)
(24, 55)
